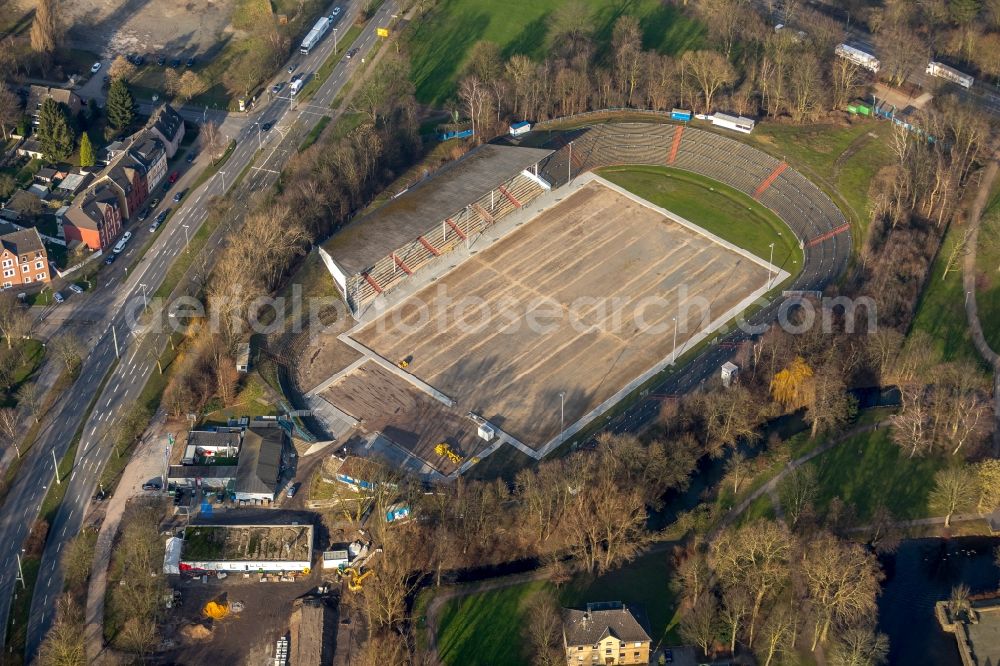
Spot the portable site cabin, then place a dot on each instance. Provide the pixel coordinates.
(683, 115)
(737, 123)
(517, 129)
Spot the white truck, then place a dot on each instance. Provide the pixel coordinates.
(943, 71)
(295, 87)
(315, 35)
(858, 57)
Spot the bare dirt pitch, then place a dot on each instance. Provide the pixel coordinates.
(178, 29)
(581, 300)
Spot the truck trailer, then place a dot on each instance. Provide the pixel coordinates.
(858, 57)
(943, 71)
(315, 35)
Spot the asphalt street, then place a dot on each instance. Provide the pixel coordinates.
(111, 308)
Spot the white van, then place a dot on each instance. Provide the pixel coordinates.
(123, 242)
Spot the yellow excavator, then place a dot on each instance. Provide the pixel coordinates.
(355, 579)
(446, 451)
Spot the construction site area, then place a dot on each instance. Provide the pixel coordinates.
(538, 332)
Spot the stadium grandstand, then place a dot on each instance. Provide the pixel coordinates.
(377, 252)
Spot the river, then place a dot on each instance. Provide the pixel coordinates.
(920, 573)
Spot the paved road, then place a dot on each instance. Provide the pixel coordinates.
(113, 306)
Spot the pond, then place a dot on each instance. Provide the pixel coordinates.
(920, 573)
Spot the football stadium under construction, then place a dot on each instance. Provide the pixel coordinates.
(511, 256)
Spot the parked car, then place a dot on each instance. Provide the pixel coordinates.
(143, 214)
(291, 490)
(190, 156)
(110, 259)
(75, 288)
(140, 60)
(336, 11)
(173, 177)
(152, 485)
(58, 297)
(179, 196)
(107, 79)
(154, 203)
(190, 62)
(95, 68)
(122, 242)
(276, 88)
(154, 225)
(175, 63)
(161, 61)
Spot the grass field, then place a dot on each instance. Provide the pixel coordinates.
(712, 206)
(988, 272)
(441, 42)
(485, 628)
(868, 470)
(841, 159)
(941, 309)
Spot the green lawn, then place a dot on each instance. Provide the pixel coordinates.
(644, 582)
(441, 41)
(868, 470)
(988, 269)
(485, 629)
(712, 206)
(819, 151)
(32, 353)
(941, 309)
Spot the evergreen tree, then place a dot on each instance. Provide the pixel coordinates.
(121, 105)
(54, 131)
(87, 157)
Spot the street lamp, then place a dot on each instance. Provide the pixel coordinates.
(770, 265)
(673, 350)
(562, 410)
(143, 287)
(187, 239)
(223, 174)
(335, 40)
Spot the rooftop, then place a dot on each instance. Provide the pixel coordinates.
(217, 437)
(415, 212)
(167, 121)
(587, 627)
(201, 472)
(260, 458)
(23, 242)
(267, 543)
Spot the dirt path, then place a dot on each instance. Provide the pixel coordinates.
(770, 488)
(146, 463)
(969, 284)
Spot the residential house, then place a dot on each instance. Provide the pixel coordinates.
(23, 259)
(72, 184)
(605, 633)
(46, 175)
(32, 148)
(129, 179)
(95, 218)
(113, 150)
(168, 126)
(22, 207)
(149, 151)
(38, 94)
(259, 464)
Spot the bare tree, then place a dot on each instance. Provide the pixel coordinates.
(543, 629)
(755, 556)
(211, 140)
(45, 29)
(798, 491)
(626, 40)
(69, 350)
(30, 397)
(842, 581)
(711, 71)
(15, 322)
(10, 110)
(699, 623)
(954, 490)
(10, 428)
(63, 644)
(859, 646)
